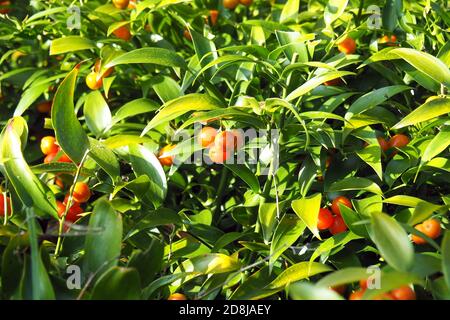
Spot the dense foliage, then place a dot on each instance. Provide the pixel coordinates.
(112, 190)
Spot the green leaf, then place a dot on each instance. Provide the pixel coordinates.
(356, 183)
(344, 276)
(159, 56)
(105, 158)
(29, 97)
(144, 162)
(308, 291)
(392, 241)
(28, 187)
(118, 284)
(446, 257)
(333, 10)
(315, 82)
(373, 99)
(243, 172)
(390, 17)
(41, 287)
(104, 239)
(68, 131)
(298, 272)
(428, 64)
(166, 88)
(212, 263)
(134, 108)
(267, 214)
(178, 107)
(70, 44)
(255, 286)
(307, 209)
(290, 11)
(427, 111)
(205, 50)
(97, 113)
(149, 262)
(438, 144)
(288, 230)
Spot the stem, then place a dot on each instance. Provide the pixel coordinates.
(5, 204)
(220, 190)
(358, 18)
(69, 204)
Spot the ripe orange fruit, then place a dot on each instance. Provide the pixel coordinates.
(121, 4)
(48, 145)
(230, 4)
(123, 33)
(187, 35)
(64, 158)
(356, 295)
(166, 160)
(97, 68)
(403, 293)
(81, 192)
(94, 81)
(214, 16)
(338, 225)
(384, 145)
(207, 136)
(44, 107)
(363, 284)
(177, 296)
(334, 82)
(339, 289)
(73, 213)
(2, 205)
(384, 296)
(347, 46)
(132, 5)
(432, 228)
(389, 41)
(238, 138)
(326, 219)
(335, 204)
(218, 155)
(225, 141)
(59, 183)
(5, 7)
(246, 3)
(50, 157)
(398, 141)
(417, 239)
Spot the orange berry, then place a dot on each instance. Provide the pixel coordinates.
(246, 3)
(225, 141)
(363, 284)
(347, 46)
(338, 226)
(132, 5)
(5, 7)
(432, 228)
(2, 205)
(72, 214)
(64, 158)
(166, 160)
(44, 107)
(207, 136)
(94, 81)
(177, 296)
(398, 141)
(356, 295)
(48, 145)
(59, 183)
(335, 204)
(121, 4)
(214, 16)
(325, 219)
(50, 157)
(123, 33)
(81, 192)
(217, 155)
(403, 293)
(384, 145)
(97, 68)
(339, 289)
(334, 82)
(230, 4)
(417, 239)
(187, 35)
